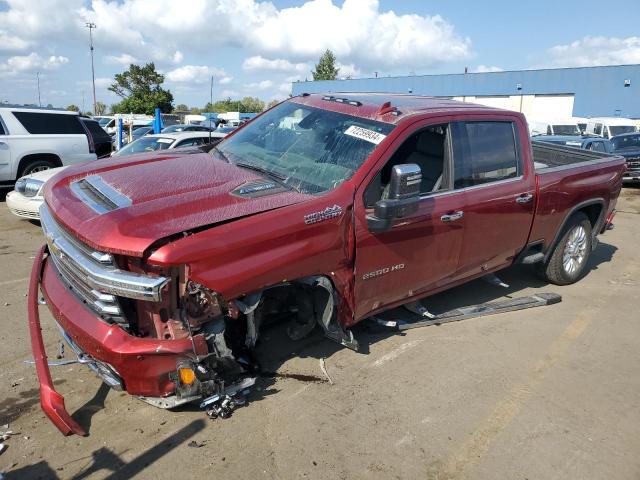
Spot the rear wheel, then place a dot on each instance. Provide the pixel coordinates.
(568, 261)
(36, 165)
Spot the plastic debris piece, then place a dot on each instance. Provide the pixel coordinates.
(324, 370)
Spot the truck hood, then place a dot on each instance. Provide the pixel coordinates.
(163, 195)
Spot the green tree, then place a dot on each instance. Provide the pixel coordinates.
(251, 105)
(181, 108)
(273, 103)
(195, 110)
(141, 91)
(326, 67)
(73, 108)
(101, 108)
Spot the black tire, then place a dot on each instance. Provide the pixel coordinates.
(575, 241)
(36, 165)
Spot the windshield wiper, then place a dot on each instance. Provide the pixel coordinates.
(258, 168)
(221, 153)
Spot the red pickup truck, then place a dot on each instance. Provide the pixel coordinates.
(323, 210)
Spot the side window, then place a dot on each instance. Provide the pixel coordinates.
(549, 132)
(2, 131)
(490, 154)
(428, 148)
(605, 131)
(598, 129)
(49, 123)
(598, 146)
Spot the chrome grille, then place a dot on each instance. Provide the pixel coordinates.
(633, 163)
(93, 276)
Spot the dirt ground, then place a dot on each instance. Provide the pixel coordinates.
(551, 392)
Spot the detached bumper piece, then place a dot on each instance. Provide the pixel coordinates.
(473, 311)
(51, 401)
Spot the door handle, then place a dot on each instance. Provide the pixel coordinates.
(524, 198)
(451, 217)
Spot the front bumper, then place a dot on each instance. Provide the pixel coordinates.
(143, 365)
(25, 207)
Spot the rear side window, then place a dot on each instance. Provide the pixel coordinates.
(96, 131)
(598, 129)
(49, 123)
(490, 154)
(2, 132)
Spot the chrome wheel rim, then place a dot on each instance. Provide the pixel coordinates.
(575, 250)
(39, 168)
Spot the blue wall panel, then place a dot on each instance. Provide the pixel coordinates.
(599, 91)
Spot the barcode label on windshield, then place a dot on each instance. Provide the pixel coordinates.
(365, 134)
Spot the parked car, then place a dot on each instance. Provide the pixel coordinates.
(373, 201)
(106, 122)
(586, 142)
(97, 136)
(610, 126)
(557, 127)
(186, 128)
(628, 145)
(26, 198)
(37, 139)
(165, 141)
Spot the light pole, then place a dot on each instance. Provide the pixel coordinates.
(38, 81)
(91, 26)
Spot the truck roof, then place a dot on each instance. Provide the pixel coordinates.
(385, 107)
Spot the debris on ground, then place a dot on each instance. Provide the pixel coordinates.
(323, 367)
(223, 404)
(194, 444)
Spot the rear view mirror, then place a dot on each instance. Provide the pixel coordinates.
(404, 197)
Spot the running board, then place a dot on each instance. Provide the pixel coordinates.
(473, 311)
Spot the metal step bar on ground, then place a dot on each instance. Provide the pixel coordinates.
(473, 311)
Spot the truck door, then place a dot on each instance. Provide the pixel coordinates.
(497, 176)
(420, 251)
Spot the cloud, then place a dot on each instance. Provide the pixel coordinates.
(194, 74)
(31, 63)
(12, 43)
(263, 85)
(258, 63)
(123, 59)
(347, 70)
(485, 69)
(593, 51)
(225, 80)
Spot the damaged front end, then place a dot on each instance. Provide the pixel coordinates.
(158, 334)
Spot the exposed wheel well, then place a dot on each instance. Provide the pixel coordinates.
(592, 211)
(54, 159)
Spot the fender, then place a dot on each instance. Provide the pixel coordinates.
(596, 227)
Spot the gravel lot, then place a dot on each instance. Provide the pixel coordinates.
(552, 392)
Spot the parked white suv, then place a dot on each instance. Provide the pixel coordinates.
(34, 139)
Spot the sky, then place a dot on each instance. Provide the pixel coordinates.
(257, 48)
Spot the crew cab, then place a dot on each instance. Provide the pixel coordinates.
(33, 139)
(323, 210)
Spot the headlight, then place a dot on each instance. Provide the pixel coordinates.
(29, 187)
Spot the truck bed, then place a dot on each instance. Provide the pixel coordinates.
(547, 157)
(568, 177)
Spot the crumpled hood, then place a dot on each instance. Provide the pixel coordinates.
(169, 194)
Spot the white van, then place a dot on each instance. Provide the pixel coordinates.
(554, 127)
(610, 126)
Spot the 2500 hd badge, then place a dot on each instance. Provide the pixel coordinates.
(383, 271)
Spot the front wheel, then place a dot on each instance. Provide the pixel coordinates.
(36, 166)
(569, 259)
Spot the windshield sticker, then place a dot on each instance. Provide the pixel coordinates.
(365, 134)
(165, 140)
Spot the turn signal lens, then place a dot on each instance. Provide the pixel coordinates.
(187, 375)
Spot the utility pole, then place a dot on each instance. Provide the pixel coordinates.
(91, 26)
(38, 80)
(210, 106)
